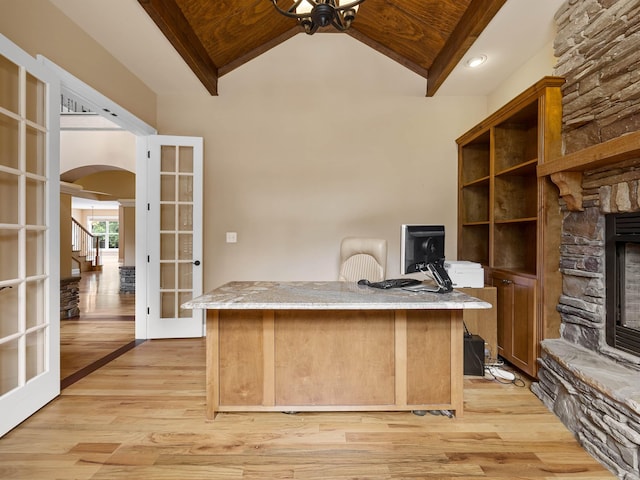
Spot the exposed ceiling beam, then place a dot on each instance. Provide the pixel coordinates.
(472, 23)
(377, 46)
(171, 21)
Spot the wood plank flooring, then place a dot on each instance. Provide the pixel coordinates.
(142, 416)
(105, 325)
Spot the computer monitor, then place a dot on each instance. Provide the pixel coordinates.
(422, 250)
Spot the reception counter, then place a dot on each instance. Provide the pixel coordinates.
(329, 346)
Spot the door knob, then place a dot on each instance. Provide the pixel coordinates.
(196, 263)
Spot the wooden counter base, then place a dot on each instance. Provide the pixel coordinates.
(331, 360)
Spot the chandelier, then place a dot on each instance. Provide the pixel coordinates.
(312, 14)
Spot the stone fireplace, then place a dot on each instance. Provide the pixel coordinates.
(592, 386)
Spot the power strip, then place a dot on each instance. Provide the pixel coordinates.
(500, 373)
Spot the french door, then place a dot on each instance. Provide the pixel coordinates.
(29, 236)
(174, 236)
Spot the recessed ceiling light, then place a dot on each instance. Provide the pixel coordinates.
(476, 61)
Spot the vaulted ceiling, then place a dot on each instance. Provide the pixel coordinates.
(428, 37)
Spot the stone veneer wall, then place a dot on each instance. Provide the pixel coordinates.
(69, 297)
(127, 279)
(598, 50)
(593, 388)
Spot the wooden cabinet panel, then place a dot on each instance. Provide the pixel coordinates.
(524, 312)
(337, 361)
(428, 358)
(516, 319)
(241, 374)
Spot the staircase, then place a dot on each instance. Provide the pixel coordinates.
(85, 248)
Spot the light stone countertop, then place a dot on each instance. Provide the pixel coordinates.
(327, 296)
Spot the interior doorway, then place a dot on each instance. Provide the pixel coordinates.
(74, 90)
(98, 167)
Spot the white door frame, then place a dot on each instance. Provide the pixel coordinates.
(83, 93)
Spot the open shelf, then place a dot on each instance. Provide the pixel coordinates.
(475, 159)
(475, 202)
(475, 242)
(515, 197)
(528, 168)
(515, 246)
(516, 138)
(508, 217)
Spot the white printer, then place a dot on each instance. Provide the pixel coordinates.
(465, 274)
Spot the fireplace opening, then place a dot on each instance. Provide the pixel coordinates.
(622, 256)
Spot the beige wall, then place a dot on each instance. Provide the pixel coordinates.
(127, 250)
(531, 71)
(40, 28)
(65, 236)
(82, 148)
(117, 183)
(298, 158)
(292, 182)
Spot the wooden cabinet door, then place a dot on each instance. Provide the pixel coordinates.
(516, 319)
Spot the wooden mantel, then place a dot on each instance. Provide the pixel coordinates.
(566, 171)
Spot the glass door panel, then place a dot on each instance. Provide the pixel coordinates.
(34, 202)
(35, 354)
(179, 213)
(9, 188)
(8, 258)
(35, 110)
(176, 199)
(34, 148)
(8, 141)
(8, 366)
(9, 309)
(34, 246)
(35, 312)
(10, 81)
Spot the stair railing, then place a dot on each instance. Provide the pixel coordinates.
(83, 242)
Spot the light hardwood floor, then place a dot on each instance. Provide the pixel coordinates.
(142, 416)
(106, 322)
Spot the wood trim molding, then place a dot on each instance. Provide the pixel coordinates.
(172, 23)
(472, 23)
(570, 185)
(566, 171)
(377, 46)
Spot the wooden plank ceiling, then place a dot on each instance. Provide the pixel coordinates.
(427, 36)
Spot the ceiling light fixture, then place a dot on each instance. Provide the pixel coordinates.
(313, 14)
(476, 61)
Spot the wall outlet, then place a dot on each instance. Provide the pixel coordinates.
(232, 237)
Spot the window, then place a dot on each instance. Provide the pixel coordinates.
(107, 231)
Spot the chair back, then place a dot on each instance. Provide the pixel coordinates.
(362, 258)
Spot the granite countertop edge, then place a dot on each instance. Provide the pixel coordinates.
(327, 296)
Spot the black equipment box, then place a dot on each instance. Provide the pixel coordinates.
(474, 355)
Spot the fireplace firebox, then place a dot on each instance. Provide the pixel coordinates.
(622, 257)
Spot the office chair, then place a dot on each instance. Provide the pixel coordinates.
(362, 258)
